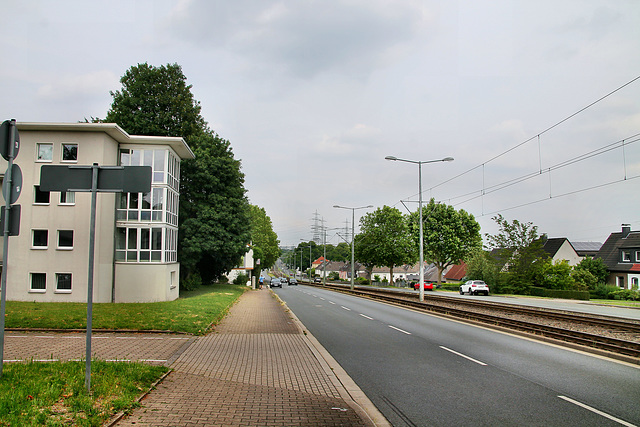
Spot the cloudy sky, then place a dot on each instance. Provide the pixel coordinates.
(537, 101)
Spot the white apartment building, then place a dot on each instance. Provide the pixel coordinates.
(136, 234)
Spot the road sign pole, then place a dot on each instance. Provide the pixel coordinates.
(92, 244)
(5, 253)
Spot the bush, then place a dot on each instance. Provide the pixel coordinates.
(241, 279)
(191, 282)
(603, 291)
(361, 281)
(625, 295)
(451, 286)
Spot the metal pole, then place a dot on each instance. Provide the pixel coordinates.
(92, 241)
(5, 254)
(421, 233)
(353, 253)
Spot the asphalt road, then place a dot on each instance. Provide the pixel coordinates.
(421, 370)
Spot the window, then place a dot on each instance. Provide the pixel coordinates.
(145, 244)
(40, 239)
(70, 152)
(41, 197)
(65, 239)
(67, 198)
(44, 152)
(38, 282)
(63, 282)
(637, 256)
(626, 256)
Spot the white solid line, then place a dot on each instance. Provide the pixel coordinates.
(398, 329)
(346, 308)
(594, 410)
(366, 317)
(462, 355)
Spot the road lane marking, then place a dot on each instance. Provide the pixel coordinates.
(463, 355)
(346, 308)
(366, 317)
(398, 329)
(595, 411)
(331, 302)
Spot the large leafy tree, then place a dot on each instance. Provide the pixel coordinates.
(384, 239)
(264, 239)
(449, 235)
(519, 251)
(214, 211)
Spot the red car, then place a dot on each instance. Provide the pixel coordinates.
(427, 286)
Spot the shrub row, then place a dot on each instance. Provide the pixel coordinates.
(556, 293)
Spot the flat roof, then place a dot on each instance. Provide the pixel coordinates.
(178, 144)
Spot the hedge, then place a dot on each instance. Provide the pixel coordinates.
(555, 293)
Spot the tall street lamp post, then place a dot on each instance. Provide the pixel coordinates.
(420, 163)
(353, 228)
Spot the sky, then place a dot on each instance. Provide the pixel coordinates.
(537, 101)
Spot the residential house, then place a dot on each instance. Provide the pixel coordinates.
(621, 254)
(587, 249)
(561, 249)
(136, 234)
(455, 273)
(245, 267)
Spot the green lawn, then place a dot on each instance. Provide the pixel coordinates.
(54, 394)
(193, 312)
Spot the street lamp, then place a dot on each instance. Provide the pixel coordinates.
(310, 261)
(353, 228)
(420, 163)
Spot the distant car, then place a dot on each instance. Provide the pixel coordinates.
(275, 282)
(474, 287)
(284, 279)
(293, 282)
(317, 280)
(427, 286)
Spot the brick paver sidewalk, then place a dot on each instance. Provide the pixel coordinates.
(257, 369)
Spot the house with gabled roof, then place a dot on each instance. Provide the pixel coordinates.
(456, 273)
(561, 249)
(621, 254)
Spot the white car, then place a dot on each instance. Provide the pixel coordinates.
(474, 287)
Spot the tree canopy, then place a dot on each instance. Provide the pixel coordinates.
(449, 235)
(263, 239)
(384, 239)
(214, 212)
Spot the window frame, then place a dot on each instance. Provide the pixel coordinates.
(31, 288)
(33, 235)
(64, 291)
(62, 154)
(36, 191)
(67, 195)
(625, 255)
(64, 248)
(42, 144)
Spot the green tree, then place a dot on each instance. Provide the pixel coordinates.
(449, 235)
(264, 240)
(596, 267)
(384, 239)
(213, 207)
(481, 266)
(557, 275)
(518, 250)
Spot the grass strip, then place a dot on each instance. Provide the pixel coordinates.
(192, 313)
(54, 394)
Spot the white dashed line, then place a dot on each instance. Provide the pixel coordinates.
(400, 330)
(366, 317)
(346, 308)
(465, 356)
(595, 411)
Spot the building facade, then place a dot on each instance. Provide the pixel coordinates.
(136, 234)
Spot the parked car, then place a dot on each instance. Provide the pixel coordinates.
(275, 282)
(474, 287)
(293, 281)
(427, 286)
(318, 280)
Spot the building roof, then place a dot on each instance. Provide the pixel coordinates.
(581, 247)
(456, 272)
(553, 245)
(178, 144)
(610, 250)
